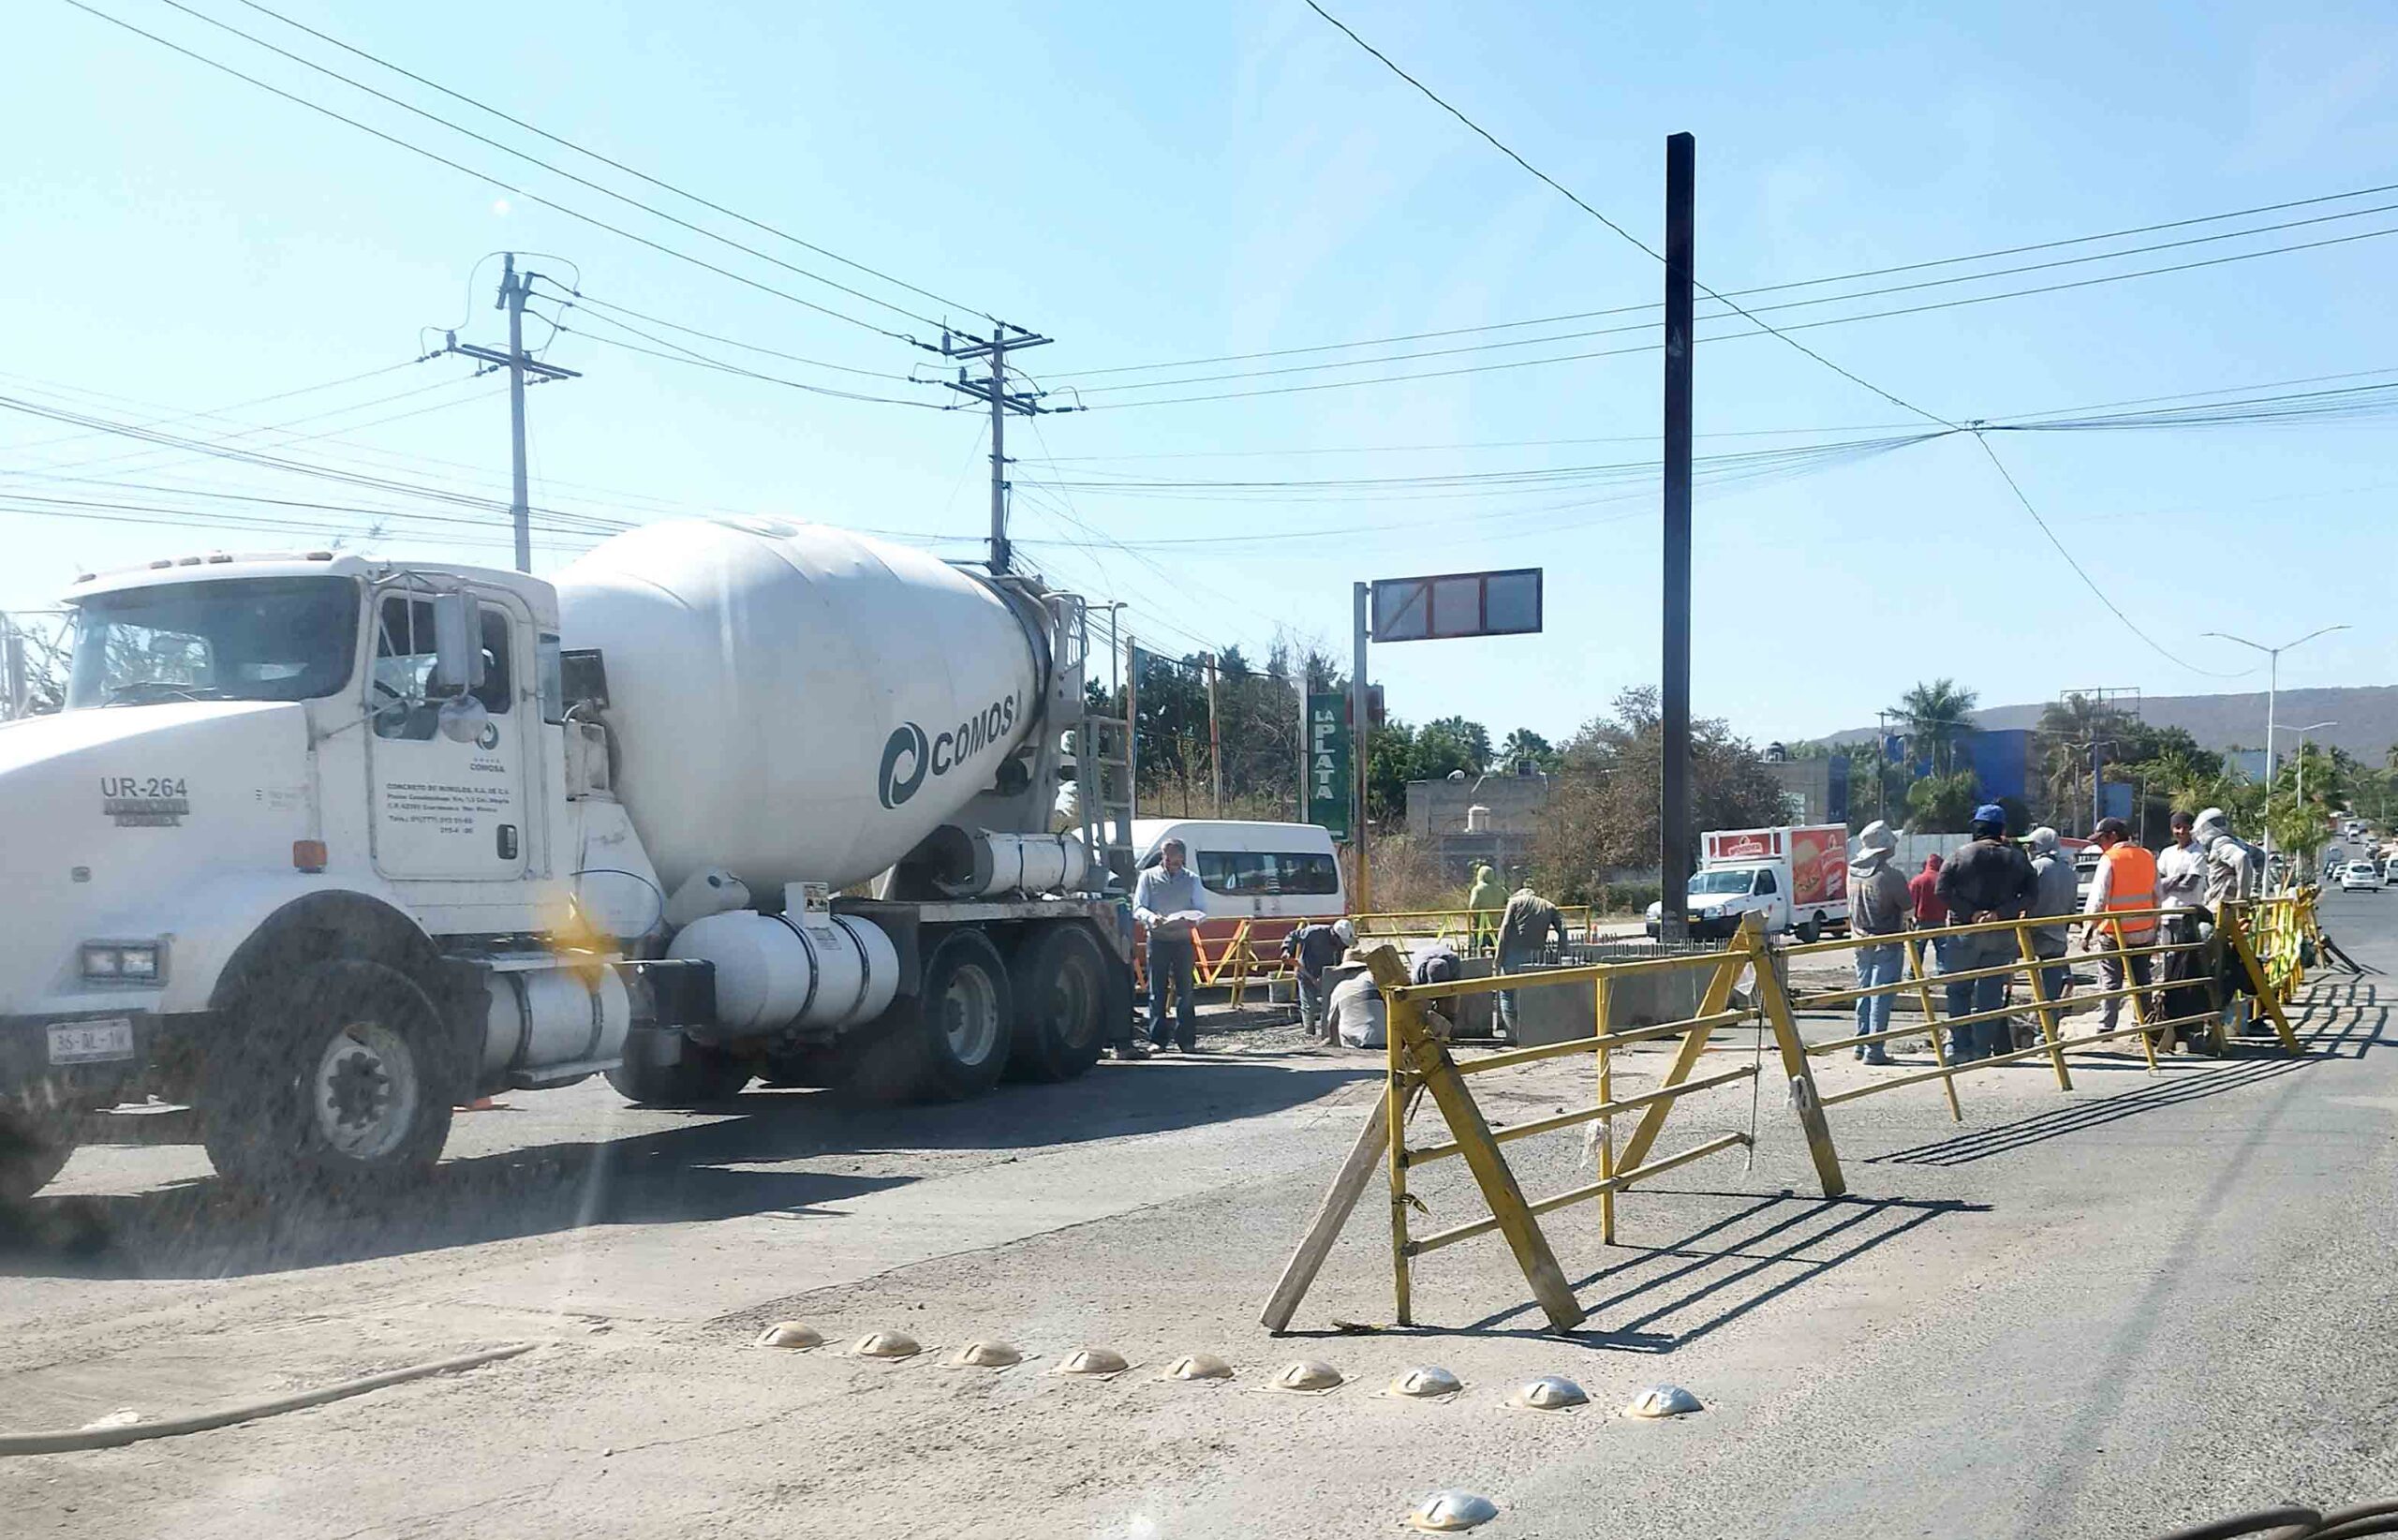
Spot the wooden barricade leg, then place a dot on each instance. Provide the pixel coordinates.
(1693, 1046)
(2042, 1010)
(2234, 931)
(1339, 1201)
(1398, 1077)
(1931, 1022)
(1600, 1014)
(1800, 1073)
(1430, 1061)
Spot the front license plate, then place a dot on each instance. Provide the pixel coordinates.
(92, 1042)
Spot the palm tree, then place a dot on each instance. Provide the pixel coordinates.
(1525, 744)
(1938, 715)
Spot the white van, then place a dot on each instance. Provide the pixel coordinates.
(1275, 875)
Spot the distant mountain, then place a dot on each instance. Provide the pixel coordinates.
(2367, 716)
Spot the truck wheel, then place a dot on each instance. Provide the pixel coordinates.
(1809, 928)
(30, 1155)
(344, 1085)
(955, 1043)
(1060, 986)
(701, 1077)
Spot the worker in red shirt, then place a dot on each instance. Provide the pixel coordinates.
(1923, 892)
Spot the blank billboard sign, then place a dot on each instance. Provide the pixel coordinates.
(1458, 604)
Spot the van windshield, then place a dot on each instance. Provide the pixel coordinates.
(236, 639)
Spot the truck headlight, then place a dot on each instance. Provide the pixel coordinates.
(132, 962)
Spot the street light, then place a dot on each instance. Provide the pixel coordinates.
(2311, 727)
(2273, 680)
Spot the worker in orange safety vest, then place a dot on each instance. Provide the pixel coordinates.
(2124, 883)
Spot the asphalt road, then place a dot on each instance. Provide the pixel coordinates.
(2104, 1312)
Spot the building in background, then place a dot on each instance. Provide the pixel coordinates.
(2006, 762)
(1494, 817)
(1814, 791)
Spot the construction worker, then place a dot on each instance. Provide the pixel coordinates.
(2235, 873)
(1169, 903)
(1986, 879)
(1485, 899)
(2181, 867)
(1877, 915)
(1524, 930)
(1313, 949)
(2124, 883)
(2054, 894)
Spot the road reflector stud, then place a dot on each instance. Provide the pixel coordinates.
(1662, 1401)
(1306, 1374)
(1450, 1509)
(887, 1344)
(796, 1335)
(987, 1356)
(1095, 1361)
(1427, 1380)
(1549, 1393)
(1198, 1366)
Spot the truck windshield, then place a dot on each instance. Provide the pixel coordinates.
(236, 639)
(1730, 880)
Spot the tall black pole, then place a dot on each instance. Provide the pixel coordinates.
(1673, 804)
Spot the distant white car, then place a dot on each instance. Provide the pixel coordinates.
(2358, 875)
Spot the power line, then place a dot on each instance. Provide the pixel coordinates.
(1571, 197)
(681, 354)
(1812, 283)
(1787, 305)
(579, 299)
(490, 180)
(238, 406)
(2116, 610)
(535, 160)
(618, 165)
(1762, 330)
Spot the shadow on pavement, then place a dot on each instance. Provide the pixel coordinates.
(2327, 1030)
(715, 1163)
(1665, 1297)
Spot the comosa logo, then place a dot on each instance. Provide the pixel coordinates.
(909, 755)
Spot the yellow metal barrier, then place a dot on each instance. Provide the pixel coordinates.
(2272, 987)
(1471, 929)
(1418, 1060)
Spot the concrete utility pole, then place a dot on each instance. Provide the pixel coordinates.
(2273, 684)
(515, 289)
(993, 390)
(1215, 741)
(1360, 740)
(1673, 802)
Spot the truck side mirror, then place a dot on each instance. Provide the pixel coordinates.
(458, 650)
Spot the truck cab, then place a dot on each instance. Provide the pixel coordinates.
(264, 763)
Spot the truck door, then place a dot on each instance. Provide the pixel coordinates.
(1776, 906)
(445, 809)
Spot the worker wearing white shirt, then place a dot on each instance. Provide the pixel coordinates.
(2181, 869)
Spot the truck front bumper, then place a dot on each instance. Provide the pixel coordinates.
(1718, 928)
(92, 1058)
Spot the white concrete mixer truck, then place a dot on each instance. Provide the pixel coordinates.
(323, 846)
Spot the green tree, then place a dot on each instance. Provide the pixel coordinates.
(1940, 803)
(1525, 744)
(1603, 813)
(1937, 717)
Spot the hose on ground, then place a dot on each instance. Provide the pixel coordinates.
(59, 1441)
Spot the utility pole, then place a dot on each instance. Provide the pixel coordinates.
(1360, 741)
(1673, 803)
(993, 391)
(515, 289)
(1215, 741)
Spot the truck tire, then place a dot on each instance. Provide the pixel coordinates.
(955, 1043)
(1809, 928)
(703, 1075)
(30, 1155)
(341, 1085)
(1061, 984)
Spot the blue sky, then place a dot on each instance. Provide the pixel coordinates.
(1149, 186)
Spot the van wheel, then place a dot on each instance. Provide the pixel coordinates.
(1809, 928)
(701, 1077)
(1060, 986)
(343, 1085)
(31, 1154)
(962, 1029)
